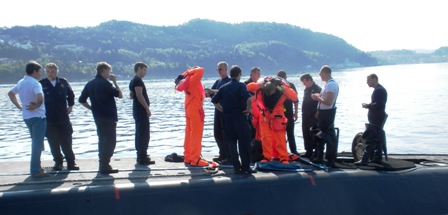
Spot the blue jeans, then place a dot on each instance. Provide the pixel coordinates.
(37, 127)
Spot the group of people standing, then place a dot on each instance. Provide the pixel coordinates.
(260, 110)
(263, 111)
(47, 103)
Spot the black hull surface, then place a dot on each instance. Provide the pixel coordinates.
(172, 188)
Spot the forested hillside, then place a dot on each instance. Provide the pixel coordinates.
(169, 50)
(410, 56)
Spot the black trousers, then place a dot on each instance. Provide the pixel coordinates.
(374, 136)
(326, 125)
(142, 136)
(107, 140)
(290, 134)
(218, 132)
(237, 135)
(308, 139)
(59, 136)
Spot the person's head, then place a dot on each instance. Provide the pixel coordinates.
(307, 80)
(51, 71)
(235, 72)
(140, 69)
(33, 69)
(372, 80)
(269, 88)
(281, 74)
(222, 69)
(325, 73)
(255, 73)
(103, 69)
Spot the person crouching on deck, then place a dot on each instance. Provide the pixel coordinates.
(270, 94)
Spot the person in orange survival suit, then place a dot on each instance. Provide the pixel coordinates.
(194, 114)
(270, 94)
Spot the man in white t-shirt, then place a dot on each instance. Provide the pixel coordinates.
(33, 112)
(326, 112)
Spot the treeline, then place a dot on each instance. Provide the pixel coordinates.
(169, 50)
(410, 57)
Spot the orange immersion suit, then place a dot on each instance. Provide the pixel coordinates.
(256, 119)
(194, 114)
(272, 139)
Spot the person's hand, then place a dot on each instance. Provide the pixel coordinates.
(69, 109)
(209, 92)
(364, 105)
(315, 96)
(276, 82)
(148, 113)
(295, 116)
(178, 79)
(32, 106)
(112, 77)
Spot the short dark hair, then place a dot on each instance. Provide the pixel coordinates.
(306, 77)
(139, 65)
(235, 71)
(326, 69)
(101, 67)
(255, 69)
(373, 76)
(32, 66)
(281, 74)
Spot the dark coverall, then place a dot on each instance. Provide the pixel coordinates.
(374, 134)
(59, 129)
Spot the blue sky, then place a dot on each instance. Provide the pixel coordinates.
(366, 24)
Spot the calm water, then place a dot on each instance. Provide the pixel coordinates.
(416, 123)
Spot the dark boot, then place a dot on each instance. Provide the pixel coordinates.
(318, 157)
(364, 160)
(58, 165)
(145, 161)
(378, 156)
(107, 169)
(71, 165)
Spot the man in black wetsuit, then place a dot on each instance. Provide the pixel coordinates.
(374, 134)
(309, 109)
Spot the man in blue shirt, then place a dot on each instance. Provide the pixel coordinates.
(232, 99)
(102, 98)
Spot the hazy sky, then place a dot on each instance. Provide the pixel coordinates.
(366, 24)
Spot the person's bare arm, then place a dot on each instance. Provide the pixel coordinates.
(33, 105)
(14, 100)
